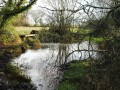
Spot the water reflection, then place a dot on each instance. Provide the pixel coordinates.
(42, 65)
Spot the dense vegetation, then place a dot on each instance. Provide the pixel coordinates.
(8, 11)
(99, 74)
(103, 27)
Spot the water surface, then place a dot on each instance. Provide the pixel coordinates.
(42, 65)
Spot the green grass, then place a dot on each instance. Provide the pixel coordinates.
(95, 39)
(76, 70)
(85, 32)
(72, 76)
(27, 30)
(81, 31)
(68, 86)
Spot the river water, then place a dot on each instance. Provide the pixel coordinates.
(42, 65)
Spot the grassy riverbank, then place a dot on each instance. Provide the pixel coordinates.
(12, 78)
(91, 75)
(74, 75)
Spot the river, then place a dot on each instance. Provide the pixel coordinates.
(42, 65)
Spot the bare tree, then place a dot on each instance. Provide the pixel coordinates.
(36, 16)
(60, 14)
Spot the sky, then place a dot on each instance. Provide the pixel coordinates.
(38, 3)
(44, 3)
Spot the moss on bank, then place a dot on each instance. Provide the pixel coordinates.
(32, 43)
(9, 38)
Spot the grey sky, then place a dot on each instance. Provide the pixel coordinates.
(44, 3)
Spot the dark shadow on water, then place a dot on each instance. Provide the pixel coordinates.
(10, 76)
(39, 66)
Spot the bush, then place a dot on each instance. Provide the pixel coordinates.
(47, 36)
(32, 43)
